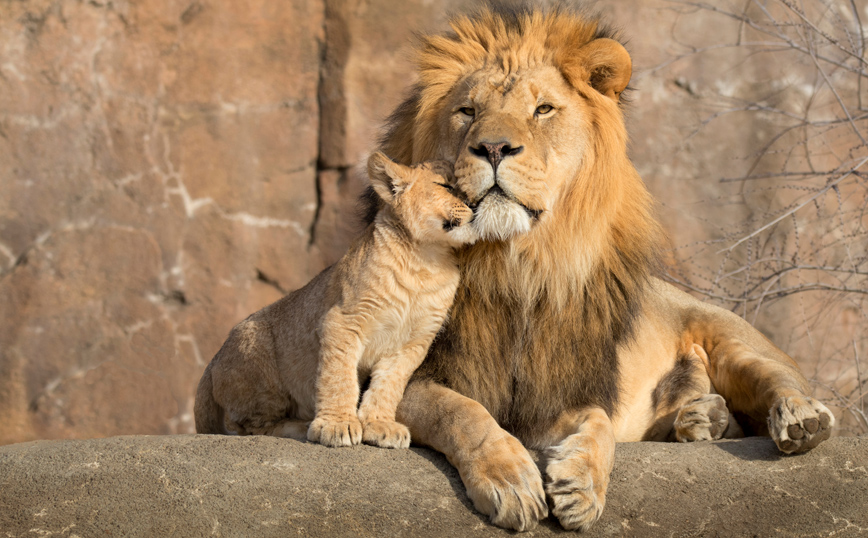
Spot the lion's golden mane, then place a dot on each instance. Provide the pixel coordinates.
(538, 317)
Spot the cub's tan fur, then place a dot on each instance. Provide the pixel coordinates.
(560, 337)
(374, 312)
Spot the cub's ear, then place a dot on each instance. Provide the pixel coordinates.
(604, 64)
(388, 178)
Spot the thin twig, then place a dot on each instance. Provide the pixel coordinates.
(800, 206)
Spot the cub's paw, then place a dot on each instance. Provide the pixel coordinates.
(328, 431)
(505, 484)
(576, 486)
(386, 434)
(799, 423)
(703, 419)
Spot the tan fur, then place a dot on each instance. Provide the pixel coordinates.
(375, 312)
(560, 337)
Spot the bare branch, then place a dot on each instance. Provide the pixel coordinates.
(802, 240)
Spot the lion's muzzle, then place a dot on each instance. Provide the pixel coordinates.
(493, 168)
(495, 152)
(497, 191)
(499, 216)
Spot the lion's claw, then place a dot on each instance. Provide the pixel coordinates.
(798, 424)
(577, 489)
(504, 483)
(335, 432)
(704, 419)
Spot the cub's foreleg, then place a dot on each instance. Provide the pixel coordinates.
(501, 478)
(577, 470)
(337, 384)
(379, 403)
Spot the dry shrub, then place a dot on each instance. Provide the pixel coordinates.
(801, 254)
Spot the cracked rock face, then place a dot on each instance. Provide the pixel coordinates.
(158, 169)
(168, 168)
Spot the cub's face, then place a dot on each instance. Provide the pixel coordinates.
(424, 199)
(431, 209)
(516, 140)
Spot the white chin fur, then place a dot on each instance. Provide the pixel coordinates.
(499, 219)
(464, 235)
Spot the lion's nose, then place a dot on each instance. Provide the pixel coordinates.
(495, 152)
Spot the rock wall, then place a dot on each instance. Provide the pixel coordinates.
(169, 167)
(159, 180)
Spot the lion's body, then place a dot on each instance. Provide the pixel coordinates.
(373, 313)
(561, 338)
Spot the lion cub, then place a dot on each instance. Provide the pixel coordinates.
(375, 312)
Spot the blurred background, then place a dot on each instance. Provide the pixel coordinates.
(168, 167)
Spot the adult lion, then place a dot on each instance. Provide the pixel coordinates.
(560, 338)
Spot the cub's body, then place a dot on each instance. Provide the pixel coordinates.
(374, 313)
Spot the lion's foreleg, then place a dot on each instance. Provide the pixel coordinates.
(501, 478)
(764, 383)
(578, 468)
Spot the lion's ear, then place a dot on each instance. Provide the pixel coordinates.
(604, 64)
(388, 178)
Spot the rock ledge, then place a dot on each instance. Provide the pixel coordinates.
(191, 485)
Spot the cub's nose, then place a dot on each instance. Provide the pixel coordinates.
(495, 152)
(458, 216)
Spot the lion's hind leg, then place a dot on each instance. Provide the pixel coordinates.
(763, 383)
(288, 428)
(269, 411)
(759, 381)
(705, 418)
(686, 406)
(799, 423)
(244, 380)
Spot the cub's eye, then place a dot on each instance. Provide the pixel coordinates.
(467, 111)
(542, 110)
(449, 188)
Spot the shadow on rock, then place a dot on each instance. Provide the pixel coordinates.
(451, 473)
(751, 449)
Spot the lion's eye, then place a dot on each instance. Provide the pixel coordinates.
(467, 111)
(542, 110)
(449, 188)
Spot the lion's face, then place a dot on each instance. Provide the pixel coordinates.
(527, 108)
(515, 140)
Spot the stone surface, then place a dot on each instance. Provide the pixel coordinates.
(167, 168)
(190, 486)
(158, 174)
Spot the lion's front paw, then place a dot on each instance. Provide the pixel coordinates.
(329, 431)
(504, 483)
(799, 423)
(703, 419)
(576, 486)
(386, 434)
